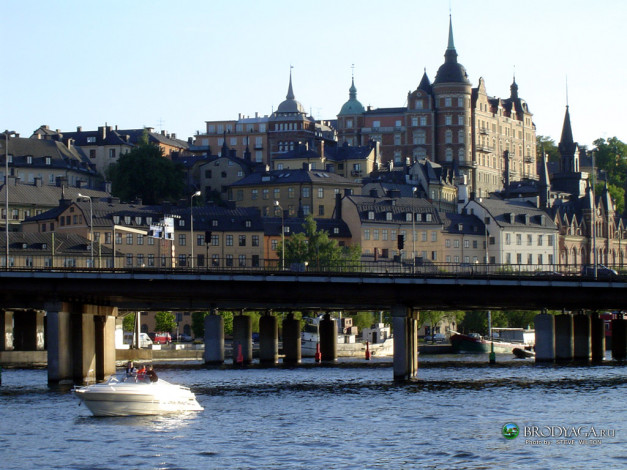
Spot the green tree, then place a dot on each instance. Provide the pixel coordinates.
(128, 324)
(548, 145)
(611, 163)
(363, 320)
(198, 323)
(476, 321)
(316, 248)
(145, 173)
(165, 321)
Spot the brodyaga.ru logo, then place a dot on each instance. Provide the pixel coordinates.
(510, 431)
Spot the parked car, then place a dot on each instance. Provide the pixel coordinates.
(161, 338)
(144, 339)
(439, 338)
(602, 271)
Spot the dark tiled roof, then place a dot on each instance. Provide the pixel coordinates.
(272, 226)
(292, 176)
(39, 149)
(462, 224)
(41, 244)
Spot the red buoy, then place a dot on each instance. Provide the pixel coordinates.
(318, 355)
(367, 351)
(240, 356)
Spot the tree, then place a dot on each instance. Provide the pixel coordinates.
(145, 173)
(128, 324)
(198, 322)
(363, 320)
(476, 321)
(165, 321)
(315, 247)
(546, 144)
(611, 162)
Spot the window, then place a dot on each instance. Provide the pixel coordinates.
(277, 194)
(366, 234)
(306, 192)
(321, 210)
(182, 260)
(371, 215)
(448, 120)
(229, 240)
(549, 241)
(388, 215)
(529, 241)
(242, 261)
(200, 240)
(242, 240)
(518, 239)
(447, 102)
(508, 238)
(129, 259)
(140, 260)
(265, 194)
(182, 239)
(290, 193)
(215, 241)
(129, 238)
(229, 260)
(215, 260)
(118, 238)
(255, 240)
(320, 193)
(112, 155)
(254, 194)
(540, 241)
(140, 239)
(151, 260)
(455, 243)
(448, 136)
(447, 243)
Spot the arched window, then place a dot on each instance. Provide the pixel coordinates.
(449, 154)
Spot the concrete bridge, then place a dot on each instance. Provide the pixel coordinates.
(81, 305)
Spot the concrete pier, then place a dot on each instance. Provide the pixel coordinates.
(6, 330)
(214, 339)
(28, 330)
(268, 339)
(59, 342)
(242, 336)
(328, 339)
(619, 339)
(581, 338)
(545, 337)
(564, 339)
(597, 339)
(291, 340)
(104, 332)
(405, 323)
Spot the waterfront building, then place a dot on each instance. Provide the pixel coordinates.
(449, 121)
(218, 173)
(105, 145)
(464, 240)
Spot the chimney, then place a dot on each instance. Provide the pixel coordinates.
(102, 132)
(38, 181)
(173, 136)
(320, 147)
(338, 206)
(79, 129)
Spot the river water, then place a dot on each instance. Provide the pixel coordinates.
(350, 415)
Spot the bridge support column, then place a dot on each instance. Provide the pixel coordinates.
(328, 338)
(28, 331)
(545, 337)
(6, 330)
(83, 329)
(291, 340)
(105, 344)
(619, 339)
(581, 333)
(59, 343)
(214, 339)
(242, 336)
(564, 344)
(597, 338)
(268, 339)
(405, 323)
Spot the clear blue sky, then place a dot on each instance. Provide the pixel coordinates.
(173, 65)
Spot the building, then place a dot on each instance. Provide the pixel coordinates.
(490, 139)
(299, 192)
(105, 145)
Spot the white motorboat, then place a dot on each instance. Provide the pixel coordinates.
(132, 397)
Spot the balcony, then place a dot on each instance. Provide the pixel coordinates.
(483, 131)
(484, 148)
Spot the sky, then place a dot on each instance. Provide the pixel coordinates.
(172, 65)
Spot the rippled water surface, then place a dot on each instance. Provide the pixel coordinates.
(316, 417)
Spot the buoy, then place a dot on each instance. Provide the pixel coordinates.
(240, 356)
(318, 355)
(367, 351)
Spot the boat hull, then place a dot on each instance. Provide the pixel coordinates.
(466, 344)
(115, 398)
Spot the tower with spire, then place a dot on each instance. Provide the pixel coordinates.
(569, 179)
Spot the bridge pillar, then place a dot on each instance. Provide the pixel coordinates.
(105, 344)
(6, 330)
(28, 331)
(545, 337)
(83, 329)
(214, 339)
(581, 333)
(619, 339)
(564, 344)
(291, 340)
(59, 343)
(268, 339)
(405, 323)
(328, 338)
(597, 338)
(242, 335)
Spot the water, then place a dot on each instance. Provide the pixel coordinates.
(347, 416)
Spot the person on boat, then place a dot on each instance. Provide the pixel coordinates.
(151, 374)
(131, 371)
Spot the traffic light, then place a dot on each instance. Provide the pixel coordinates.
(401, 242)
(208, 237)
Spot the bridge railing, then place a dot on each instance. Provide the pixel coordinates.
(256, 265)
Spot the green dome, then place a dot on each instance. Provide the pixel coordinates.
(352, 106)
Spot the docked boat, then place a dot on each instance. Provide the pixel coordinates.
(503, 340)
(131, 397)
(377, 340)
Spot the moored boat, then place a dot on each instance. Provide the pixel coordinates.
(132, 397)
(503, 341)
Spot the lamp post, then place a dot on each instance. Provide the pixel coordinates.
(191, 215)
(91, 226)
(594, 218)
(276, 204)
(7, 136)
(413, 233)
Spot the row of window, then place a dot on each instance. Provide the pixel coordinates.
(383, 235)
(540, 240)
(418, 217)
(529, 258)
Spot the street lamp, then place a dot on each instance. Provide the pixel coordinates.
(191, 214)
(91, 226)
(7, 136)
(276, 204)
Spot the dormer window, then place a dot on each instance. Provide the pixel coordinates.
(29, 160)
(418, 217)
(214, 223)
(460, 227)
(148, 220)
(428, 217)
(48, 160)
(91, 140)
(336, 230)
(181, 222)
(116, 219)
(127, 219)
(138, 220)
(408, 217)
(370, 215)
(248, 224)
(388, 216)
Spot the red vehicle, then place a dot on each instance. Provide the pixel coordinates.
(161, 338)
